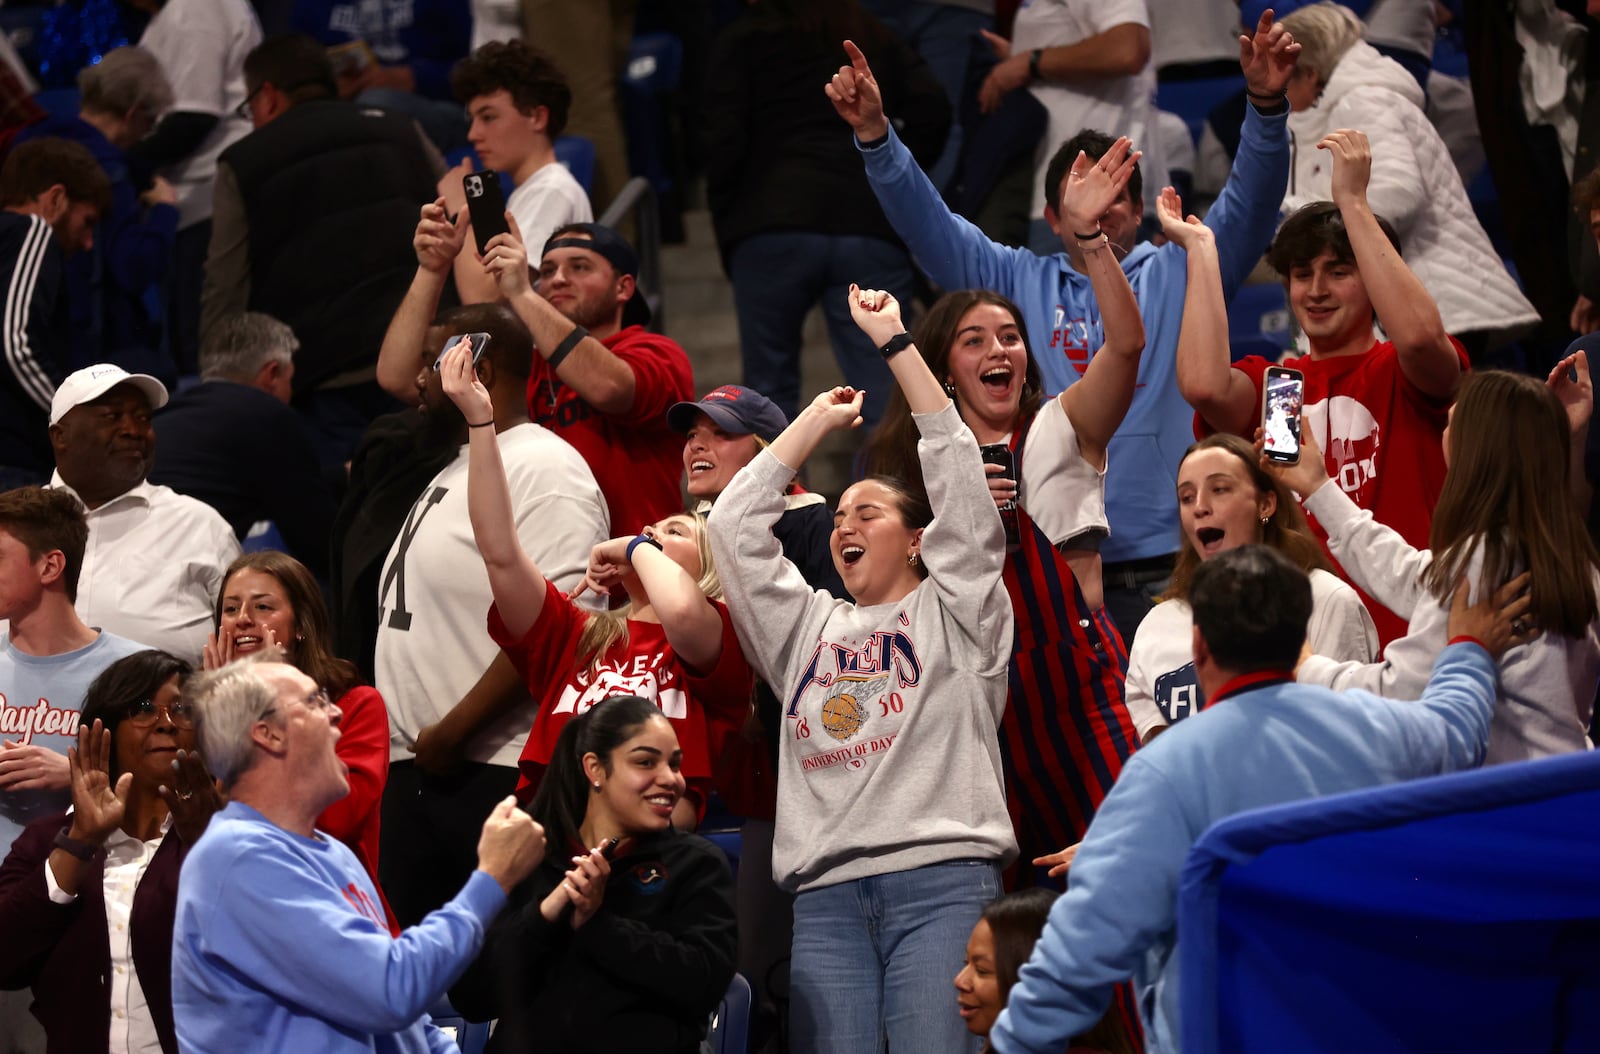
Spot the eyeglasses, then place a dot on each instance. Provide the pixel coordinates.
(317, 700)
(243, 109)
(143, 713)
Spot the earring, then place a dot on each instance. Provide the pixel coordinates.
(950, 389)
(1265, 520)
(912, 560)
(596, 784)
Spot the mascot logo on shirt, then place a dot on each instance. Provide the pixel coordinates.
(1350, 439)
(892, 654)
(843, 715)
(648, 878)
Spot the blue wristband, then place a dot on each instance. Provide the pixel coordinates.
(643, 539)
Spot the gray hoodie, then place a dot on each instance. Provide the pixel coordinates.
(888, 758)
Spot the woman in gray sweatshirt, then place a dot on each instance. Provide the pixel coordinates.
(891, 821)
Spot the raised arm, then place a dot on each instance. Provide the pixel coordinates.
(1118, 51)
(1409, 316)
(437, 242)
(1223, 396)
(878, 315)
(515, 580)
(1097, 403)
(601, 379)
(1570, 381)
(688, 618)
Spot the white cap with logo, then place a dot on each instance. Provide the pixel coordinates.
(91, 382)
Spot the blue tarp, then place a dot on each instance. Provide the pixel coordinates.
(1460, 913)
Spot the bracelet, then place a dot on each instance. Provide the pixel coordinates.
(82, 850)
(897, 343)
(565, 347)
(1100, 244)
(1099, 232)
(1033, 64)
(643, 539)
(481, 424)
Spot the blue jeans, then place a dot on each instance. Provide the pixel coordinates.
(875, 959)
(947, 39)
(776, 280)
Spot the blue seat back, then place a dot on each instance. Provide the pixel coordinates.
(730, 1025)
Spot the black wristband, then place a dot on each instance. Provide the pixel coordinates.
(1098, 231)
(1033, 64)
(873, 144)
(481, 424)
(643, 539)
(897, 343)
(565, 347)
(67, 844)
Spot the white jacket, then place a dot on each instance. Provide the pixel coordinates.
(1414, 186)
(1546, 686)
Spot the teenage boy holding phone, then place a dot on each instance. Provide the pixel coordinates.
(517, 101)
(1365, 398)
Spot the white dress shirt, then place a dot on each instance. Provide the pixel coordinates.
(153, 568)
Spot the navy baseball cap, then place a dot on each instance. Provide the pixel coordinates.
(615, 248)
(735, 409)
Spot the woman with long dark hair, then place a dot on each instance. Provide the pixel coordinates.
(623, 939)
(1225, 500)
(1507, 507)
(90, 894)
(1066, 730)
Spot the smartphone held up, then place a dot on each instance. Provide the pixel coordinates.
(486, 203)
(479, 343)
(1282, 399)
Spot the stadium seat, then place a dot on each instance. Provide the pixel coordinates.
(471, 1037)
(1259, 322)
(730, 1025)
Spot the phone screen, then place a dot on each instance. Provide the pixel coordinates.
(1282, 400)
(487, 205)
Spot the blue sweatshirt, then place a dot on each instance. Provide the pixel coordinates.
(430, 36)
(1063, 320)
(280, 944)
(1263, 744)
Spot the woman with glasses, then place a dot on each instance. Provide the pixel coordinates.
(271, 600)
(87, 896)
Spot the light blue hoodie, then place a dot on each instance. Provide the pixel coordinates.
(1063, 320)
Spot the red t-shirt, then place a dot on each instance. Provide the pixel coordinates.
(643, 665)
(635, 457)
(1381, 437)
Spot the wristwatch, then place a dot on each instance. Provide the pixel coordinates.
(1033, 64)
(82, 850)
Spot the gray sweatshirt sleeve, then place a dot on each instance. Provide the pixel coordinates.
(964, 548)
(773, 610)
(1375, 556)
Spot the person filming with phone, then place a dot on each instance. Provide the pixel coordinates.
(1376, 407)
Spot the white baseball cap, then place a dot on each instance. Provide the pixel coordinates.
(91, 382)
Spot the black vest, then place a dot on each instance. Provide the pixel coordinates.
(331, 193)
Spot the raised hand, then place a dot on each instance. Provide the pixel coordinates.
(506, 257)
(510, 845)
(1570, 381)
(191, 796)
(217, 651)
(1352, 165)
(1267, 57)
(1092, 187)
(839, 408)
(1303, 477)
(1186, 231)
(608, 563)
(855, 96)
(97, 806)
(437, 240)
(1009, 73)
(462, 385)
(1498, 622)
(877, 313)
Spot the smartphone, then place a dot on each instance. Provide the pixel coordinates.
(486, 204)
(1000, 454)
(1282, 398)
(609, 850)
(480, 341)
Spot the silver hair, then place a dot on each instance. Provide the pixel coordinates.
(1324, 32)
(239, 345)
(228, 702)
(127, 78)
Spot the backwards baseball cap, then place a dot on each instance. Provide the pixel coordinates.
(615, 248)
(91, 382)
(736, 409)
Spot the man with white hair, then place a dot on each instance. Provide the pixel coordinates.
(279, 933)
(233, 442)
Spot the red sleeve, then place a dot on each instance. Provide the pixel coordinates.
(1434, 411)
(363, 746)
(661, 376)
(1252, 366)
(739, 764)
(543, 650)
(726, 687)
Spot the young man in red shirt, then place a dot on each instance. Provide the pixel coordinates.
(1378, 408)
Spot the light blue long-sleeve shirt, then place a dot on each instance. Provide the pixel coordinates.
(1063, 319)
(280, 943)
(1263, 746)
